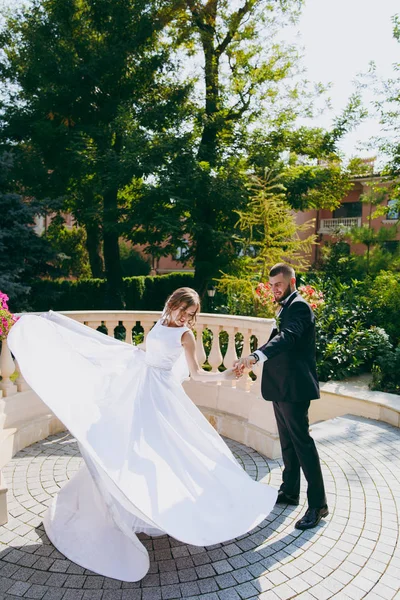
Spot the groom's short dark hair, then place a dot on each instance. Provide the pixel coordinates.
(283, 268)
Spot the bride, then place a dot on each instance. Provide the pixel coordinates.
(152, 462)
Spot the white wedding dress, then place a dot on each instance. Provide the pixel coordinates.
(153, 463)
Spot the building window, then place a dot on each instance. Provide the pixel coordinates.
(393, 212)
(181, 253)
(348, 210)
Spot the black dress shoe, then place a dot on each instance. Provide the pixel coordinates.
(284, 499)
(312, 517)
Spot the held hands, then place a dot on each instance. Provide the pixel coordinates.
(246, 362)
(232, 374)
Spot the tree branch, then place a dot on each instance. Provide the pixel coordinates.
(235, 22)
(198, 15)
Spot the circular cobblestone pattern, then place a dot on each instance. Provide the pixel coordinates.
(354, 553)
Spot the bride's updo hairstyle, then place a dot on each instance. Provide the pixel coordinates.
(183, 298)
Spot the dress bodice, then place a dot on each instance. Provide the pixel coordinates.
(164, 345)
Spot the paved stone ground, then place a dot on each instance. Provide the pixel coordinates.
(354, 554)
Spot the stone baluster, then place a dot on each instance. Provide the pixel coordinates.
(200, 352)
(129, 325)
(7, 367)
(215, 356)
(22, 386)
(111, 326)
(245, 381)
(93, 324)
(231, 354)
(261, 338)
(3, 501)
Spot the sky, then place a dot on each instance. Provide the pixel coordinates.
(340, 38)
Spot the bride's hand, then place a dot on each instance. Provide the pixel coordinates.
(232, 374)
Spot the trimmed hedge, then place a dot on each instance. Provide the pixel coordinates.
(140, 293)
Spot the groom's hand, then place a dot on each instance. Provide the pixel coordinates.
(246, 362)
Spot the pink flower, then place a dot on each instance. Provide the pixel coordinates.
(7, 319)
(3, 300)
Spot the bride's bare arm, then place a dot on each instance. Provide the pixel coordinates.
(196, 372)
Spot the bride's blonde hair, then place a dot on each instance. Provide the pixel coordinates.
(184, 297)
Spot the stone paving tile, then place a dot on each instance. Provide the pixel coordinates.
(353, 554)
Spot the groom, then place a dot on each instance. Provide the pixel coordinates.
(289, 379)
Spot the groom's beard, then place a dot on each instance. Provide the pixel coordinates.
(285, 294)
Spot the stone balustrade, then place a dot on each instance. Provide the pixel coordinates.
(235, 408)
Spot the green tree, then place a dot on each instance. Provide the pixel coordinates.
(95, 101)
(366, 234)
(387, 106)
(244, 119)
(268, 234)
(71, 257)
(23, 254)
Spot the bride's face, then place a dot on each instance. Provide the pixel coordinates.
(181, 316)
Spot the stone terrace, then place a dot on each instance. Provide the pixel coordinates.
(354, 553)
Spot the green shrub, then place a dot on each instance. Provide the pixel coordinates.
(158, 288)
(386, 372)
(384, 301)
(351, 351)
(84, 294)
(134, 288)
(132, 262)
(347, 342)
(140, 293)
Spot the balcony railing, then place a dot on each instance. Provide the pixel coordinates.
(332, 225)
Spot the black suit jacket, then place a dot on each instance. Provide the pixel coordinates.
(290, 373)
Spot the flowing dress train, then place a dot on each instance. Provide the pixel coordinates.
(152, 462)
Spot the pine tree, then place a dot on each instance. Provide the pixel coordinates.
(23, 254)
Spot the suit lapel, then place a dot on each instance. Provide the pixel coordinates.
(286, 306)
(289, 302)
(276, 329)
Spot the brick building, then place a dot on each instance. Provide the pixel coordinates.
(351, 213)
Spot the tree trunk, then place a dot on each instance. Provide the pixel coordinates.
(208, 144)
(205, 256)
(93, 246)
(112, 262)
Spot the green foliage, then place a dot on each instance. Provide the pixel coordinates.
(379, 260)
(386, 372)
(83, 294)
(268, 229)
(316, 186)
(351, 350)
(68, 245)
(387, 103)
(347, 344)
(104, 118)
(140, 293)
(23, 255)
(94, 107)
(268, 234)
(239, 294)
(384, 300)
(336, 260)
(158, 288)
(132, 262)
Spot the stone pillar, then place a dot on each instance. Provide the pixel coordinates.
(7, 368)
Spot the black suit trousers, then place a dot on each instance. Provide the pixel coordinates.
(299, 450)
